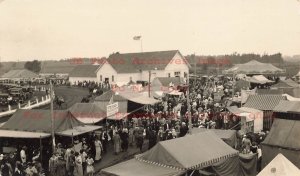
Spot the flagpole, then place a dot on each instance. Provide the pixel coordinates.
(141, 44)
(52, 117)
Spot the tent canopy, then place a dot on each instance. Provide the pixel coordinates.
(88, 113)
(283, 167)
(138, 97)
(284, 133)
(254, 67)
(22, 134)
(78, 130)
(285, 84)
(134, 167)
(36, 120)
(228, 136)
(195, 152)
(287, 106)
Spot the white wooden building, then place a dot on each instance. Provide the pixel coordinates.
(123, 68)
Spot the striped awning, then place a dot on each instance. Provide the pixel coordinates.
(264, 102)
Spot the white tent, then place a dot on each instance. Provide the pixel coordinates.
(280, 165)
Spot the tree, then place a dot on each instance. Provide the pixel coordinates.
(34, 66)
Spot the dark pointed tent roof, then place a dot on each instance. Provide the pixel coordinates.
(285, 84)
(88, 113)
(282, 138)
(36, 120)
(254, 67)
(228, 136)
(190, 152)
(106, 96)
(285, 134)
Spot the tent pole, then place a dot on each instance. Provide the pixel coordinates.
(72, 139)
(41, 149)
(52, 117)
(192, 173)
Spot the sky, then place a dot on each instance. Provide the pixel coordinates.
(57, 29)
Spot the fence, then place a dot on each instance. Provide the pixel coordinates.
(29, 105)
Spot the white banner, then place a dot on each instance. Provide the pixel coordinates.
(112, 109)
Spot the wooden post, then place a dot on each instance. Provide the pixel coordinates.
(41, 149)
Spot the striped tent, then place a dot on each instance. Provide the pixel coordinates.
(196, 151)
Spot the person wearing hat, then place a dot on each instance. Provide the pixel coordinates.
(53, 162)
(23, 154)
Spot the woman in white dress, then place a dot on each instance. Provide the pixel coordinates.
(98, 147)
(78, 171)
(90, 168)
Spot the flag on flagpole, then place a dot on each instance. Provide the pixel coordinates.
(137, 37)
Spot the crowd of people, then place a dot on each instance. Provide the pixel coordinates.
(166, 120)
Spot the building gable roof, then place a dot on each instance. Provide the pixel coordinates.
(137, 62)
(85, 71)
(20, 73)
(263, 102)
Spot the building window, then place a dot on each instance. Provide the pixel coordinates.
(101, 78)
(169, 75)
(177, 74)
(112, 78)
(185, 74)
(130, 79)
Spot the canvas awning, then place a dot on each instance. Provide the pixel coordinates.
(285, 106)
(138, 97)
(234, 110)
(134, 167)
(118, 116)
(22, 134)
(78, 130)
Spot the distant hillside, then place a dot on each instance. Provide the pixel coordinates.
(49, 66)
(295, 58)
